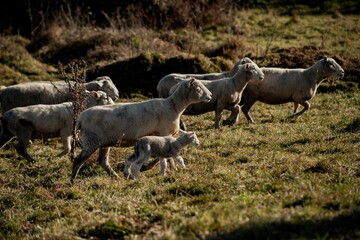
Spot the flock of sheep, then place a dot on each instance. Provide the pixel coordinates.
(40, 110)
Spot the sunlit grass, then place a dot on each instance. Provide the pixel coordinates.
(240, 177)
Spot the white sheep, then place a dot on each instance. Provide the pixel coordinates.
(167, 82)
(104, 126)
(42, 92)
(282, 85)
(226, 94)
(44, 121)
(163, 148)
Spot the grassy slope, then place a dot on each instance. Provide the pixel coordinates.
(281, 177)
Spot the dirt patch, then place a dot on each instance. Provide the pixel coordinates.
(142, 73)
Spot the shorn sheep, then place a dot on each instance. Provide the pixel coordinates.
(167, 82)
(32, 93)
(104, 126)
(44, 121)
(163, 148)
(289, 85)
(226, 94)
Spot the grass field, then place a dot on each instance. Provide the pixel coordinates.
(280, 178)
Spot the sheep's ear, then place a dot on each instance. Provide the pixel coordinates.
(95, 94)
(191, 134)
(325, 59)
(182, 132)
(190, 82)
(177, 79)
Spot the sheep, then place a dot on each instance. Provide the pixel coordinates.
(164, 148)
(49, 121)
(42, 92)
(226, 94)
(164, 85)
(289, 85)
(104, 126)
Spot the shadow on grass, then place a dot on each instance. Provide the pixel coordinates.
(345, 226)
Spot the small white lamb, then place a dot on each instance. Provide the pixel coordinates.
(162, 148)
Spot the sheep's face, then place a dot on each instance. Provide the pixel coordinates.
(254, 71)
(198, 90)
(194, 140)
(334, 68)
(106, 84)
(97, 98)
(190, 137)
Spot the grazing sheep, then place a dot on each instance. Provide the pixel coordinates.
(44, 121)
(104, 126)
(168, 81)
(41, 92)
(289, 85)
(164, 148)
(226, 94)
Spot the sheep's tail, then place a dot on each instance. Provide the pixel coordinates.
(77, 137)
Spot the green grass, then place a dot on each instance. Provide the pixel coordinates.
(281, 177)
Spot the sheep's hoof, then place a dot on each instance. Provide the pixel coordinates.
(227, 122)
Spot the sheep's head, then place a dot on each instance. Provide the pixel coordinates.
(190, 137)
(254, 71)
(333, 67)
(106, 84)
(202, 93)
(97, 98)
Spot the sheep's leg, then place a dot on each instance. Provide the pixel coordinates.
(182, 125)
(136, 166)
(132, 158)
(180, 161)
(306, 106)
(150, 165)
(24, 141)
(79, 161)
(234, 116)
(66, 141)
(296, 106)
(218, 113)
(103, 159)
(172, 164)
(246, 108)
(163, 166)
(22, 150)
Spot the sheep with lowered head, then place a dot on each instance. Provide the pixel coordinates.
(104, 126)
(282, 85)
(42, 92)
(44, 121)
(164, 148)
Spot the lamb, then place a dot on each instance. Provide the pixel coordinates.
(289, 85)
(49, 121)
(168, 81)
(226, 94)
(164, 148)
(42, 92)
(104, 126)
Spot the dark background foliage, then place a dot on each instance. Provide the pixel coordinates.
(30, 17)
